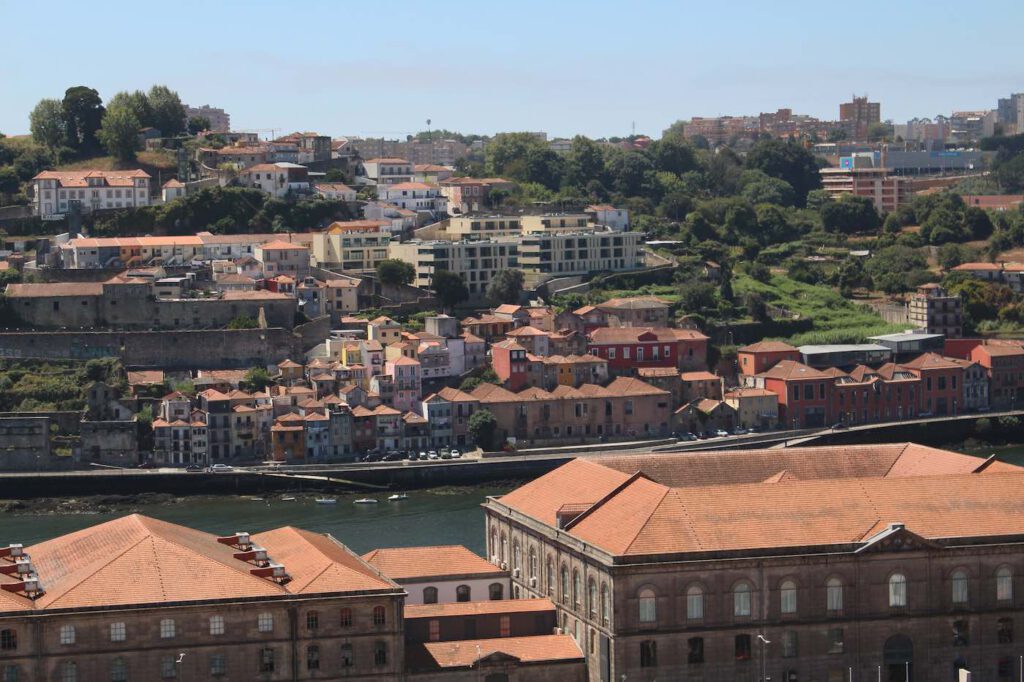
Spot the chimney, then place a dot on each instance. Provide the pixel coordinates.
(254, 553)
(12, 551)
(22, 566)
(272, 571)
(30, 586)
(239, 540)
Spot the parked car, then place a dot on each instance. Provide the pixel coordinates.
(192, 468)
(221, 468)
(739, 431)
(432, 454)
(688, 436)
(456, 454)
(721, 433)
(839, 426)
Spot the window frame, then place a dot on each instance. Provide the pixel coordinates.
(897, 584)
(743, 599)
(647, 605)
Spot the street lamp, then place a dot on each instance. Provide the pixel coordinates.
(764, 645)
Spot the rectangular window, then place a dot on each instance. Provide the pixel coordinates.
(266, 660)
(218, 665)
(789, 644)
(648, 654)
(1004, 631)
(167, 628)
(506, 626)
(435, 630)
(265, 622)
(168, 668)
(117, 632)
(742, 647)
(835, 641)
(696, 650)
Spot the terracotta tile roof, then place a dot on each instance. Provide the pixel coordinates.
(281, 245)
(631, 386)
(410, 564)
(930, 361)
(141, 377)
(137, 560)
(478, 608)
(792, 370)
(647, 372)
(508, 308)
(526, 331)
(739, 393)
(699, 376)
(648, 518)
(998, 351)
(603, 335)
(402, 186)
(634, 303)
(971, 267)
(463, 654)
(577, 482)
(113, 178)
(454, 395)
(54, 289)
(767, 347)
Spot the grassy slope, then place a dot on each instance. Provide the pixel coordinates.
(836, 319)
(148, 161)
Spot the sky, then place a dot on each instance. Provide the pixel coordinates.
(565, 67)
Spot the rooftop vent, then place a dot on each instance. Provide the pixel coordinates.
(256, 554)
(239, 540)
(272, 571)
(21, 566)
(12, 551)
(30, 587)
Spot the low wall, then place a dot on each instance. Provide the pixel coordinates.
(314, 332)
(185, 349)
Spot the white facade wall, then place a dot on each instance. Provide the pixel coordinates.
(479, 590)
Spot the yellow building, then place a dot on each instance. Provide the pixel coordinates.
(356, 245)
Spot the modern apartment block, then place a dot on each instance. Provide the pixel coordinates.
(220, 120)
(934, 311)
(858, 115)
(356, 245)
(476, 261)
(887, 192)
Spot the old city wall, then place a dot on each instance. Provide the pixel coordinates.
(191, 349)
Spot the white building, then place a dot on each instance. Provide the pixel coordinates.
(172, 189)
(414, 196)
(276, 179)
(388, 171)
(401, 219)
(335, 191)
(96, 190)
(606, 214)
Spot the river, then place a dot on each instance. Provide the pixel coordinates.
(446, 516)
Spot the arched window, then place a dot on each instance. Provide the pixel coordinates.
(1004, 584)
(67, 634)
(694, 602)
(592, 598)
(494, 544)
(429, 595)
(959, 584)
(118, 670)
(834, 594)
(550, 577)
(576, 589)
(517, 555)
(648, 605)
(565, 585)
(68, 671)
(503, 550)
(379, 615)
(741, 600)
(787, 596)
(462, 593)
(606, 606)
(897, 590)
(532, 558)
(495, 592)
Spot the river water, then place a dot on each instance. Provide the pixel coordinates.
(447, 516)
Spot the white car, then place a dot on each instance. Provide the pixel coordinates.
(221, 468)
(721, 433)
(456, 454)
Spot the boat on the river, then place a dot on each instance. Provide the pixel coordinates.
(255, 499)
(366, 500)
(326, 500)
(397, 497)
(287, 498)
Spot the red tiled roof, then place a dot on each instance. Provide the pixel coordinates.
(410, 564)
(463, 654)
(790, 370)
(767, 347)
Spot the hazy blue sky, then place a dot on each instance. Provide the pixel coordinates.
(370, 68)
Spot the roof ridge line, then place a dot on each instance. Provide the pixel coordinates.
(655, 508)
(614, 491)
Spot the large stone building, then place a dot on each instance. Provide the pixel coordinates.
(137, 598)
(94, 190)
(898, 562)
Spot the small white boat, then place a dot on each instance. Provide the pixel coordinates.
(326, 500)
(287, 498)
(366, 500)
(397, 497)
(256, 499)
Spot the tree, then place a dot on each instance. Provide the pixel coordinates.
(627, 171)
(786, 161)
(483, 427)
(198, 124)
(770, 191)
(449, 288)
(756, 307)
(394, 271)
(977, 222)
(243, 322)
(506, 287)
(674, 155)
(168, 111)
(47, 124)
(545, 167)
(120, 132)
(9, 181)
(83, 116)
(695, 297)
(849, 215)
(257, 379)
(584, 163)
(136, 102)
(896, 268)
(505, 155)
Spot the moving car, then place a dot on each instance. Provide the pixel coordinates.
(193, 468)
(221, 468)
